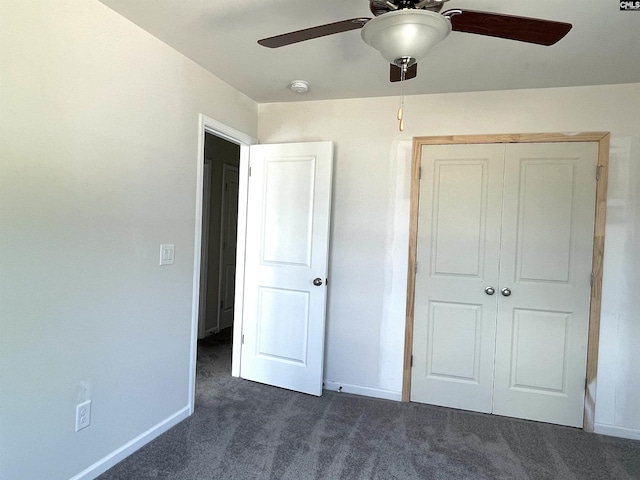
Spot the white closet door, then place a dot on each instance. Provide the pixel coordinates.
(547, 235)
(458, 252)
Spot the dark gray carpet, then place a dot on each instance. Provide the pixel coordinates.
(244, 430)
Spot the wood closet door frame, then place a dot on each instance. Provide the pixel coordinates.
(602, 138)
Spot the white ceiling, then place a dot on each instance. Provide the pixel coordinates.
(602, 48)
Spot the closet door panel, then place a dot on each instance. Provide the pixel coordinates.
(457, 257)
(545, 262)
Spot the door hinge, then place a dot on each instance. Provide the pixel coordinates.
(221, 304)
(586, 383)
(598, 172)
(411, 363)
(415, 268)
(249, 171)
(242, 339)
(591, 281)
(419, 173)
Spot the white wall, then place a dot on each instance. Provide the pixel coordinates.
(98, 149)
(367, 283)
(618, 394)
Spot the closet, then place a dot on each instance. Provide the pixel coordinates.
(503, 278)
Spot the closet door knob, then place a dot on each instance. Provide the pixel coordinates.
(505, 291)
(317, 282)
(489, 290)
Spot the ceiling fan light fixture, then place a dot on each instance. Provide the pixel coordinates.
(406, 33)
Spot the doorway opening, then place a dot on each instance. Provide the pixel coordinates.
(219, 235)
(220, 213)
(217, 259)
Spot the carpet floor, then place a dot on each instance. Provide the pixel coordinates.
(244, 430)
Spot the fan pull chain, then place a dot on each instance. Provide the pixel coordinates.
(400, 115)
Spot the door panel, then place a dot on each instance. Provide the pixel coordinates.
(544, 224)
(206, 323)
(454, 341)
(228, 243)
(535, 332)
(458, 218)
(547, 235)
(288, 211)
(279, 311)
(287, 248)
(457, 257)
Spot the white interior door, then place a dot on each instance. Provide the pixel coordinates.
(228, 242)
(458, 252)
(286, 264)
(204, 251)
(515, 216)
(547, 246)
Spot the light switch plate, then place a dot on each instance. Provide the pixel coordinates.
(167, 254)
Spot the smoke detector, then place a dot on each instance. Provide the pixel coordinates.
(299, 86)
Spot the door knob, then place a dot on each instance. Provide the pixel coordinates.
(317, 282)
(505, 291)
(489, 290)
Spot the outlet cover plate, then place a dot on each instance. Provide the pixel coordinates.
(83, 415)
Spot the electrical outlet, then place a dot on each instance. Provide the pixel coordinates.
(83, 415)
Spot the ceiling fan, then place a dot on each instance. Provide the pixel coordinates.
(403, 31)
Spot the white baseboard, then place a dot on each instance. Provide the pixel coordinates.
(615, 431)
(127, 449)
(365, 391)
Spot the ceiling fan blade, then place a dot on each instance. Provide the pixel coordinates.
(522, 29)
(313, 32)
(395, 72)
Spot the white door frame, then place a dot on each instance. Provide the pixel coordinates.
(602, 138)
(209, 125)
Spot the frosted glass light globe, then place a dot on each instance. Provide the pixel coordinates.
(405, 33)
